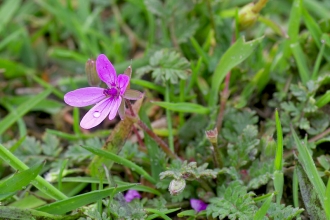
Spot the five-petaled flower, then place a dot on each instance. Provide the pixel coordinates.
(198, 205)
(132, 194)
(108, 100)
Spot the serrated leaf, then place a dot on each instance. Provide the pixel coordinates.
(280, 212)
(244, 150)
(260, 174)
(236, 203)
(167, 65)
(50, 146)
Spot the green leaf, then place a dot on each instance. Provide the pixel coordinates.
(245, 148)
(308, 164)
(236, 54)
(236, 203)
(39, 182)
(279, 150)
(280, 211)
(120, 160)
(300, 58)
(260, 174)
(323, 100)
(20, 180)
(97, 180)
(66, 205)
(7, 212)
(261, 213)
(154, 154)
(167, 65)
(185, 107)
(7, 10)
(327, 200)
(309, 195)
(21, 110)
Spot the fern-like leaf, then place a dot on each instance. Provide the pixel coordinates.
(235, 203)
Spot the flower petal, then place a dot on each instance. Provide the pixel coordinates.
(114, 107)
(132, 194)
(198, 205)
(84, 96)
(106, 71)
(121, 110)
(132, 94)
(97, 114)
(123, 81)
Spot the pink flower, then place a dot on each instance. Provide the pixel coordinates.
(108, 100)
(198, 205)
(132, 194)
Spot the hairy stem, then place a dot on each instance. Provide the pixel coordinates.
(159, 141)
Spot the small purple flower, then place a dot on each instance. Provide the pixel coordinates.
(132, 194)
(198, 205)
(108, 100)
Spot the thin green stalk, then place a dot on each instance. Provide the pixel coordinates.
(318, 62)
(39, 182)
(169, 118)
(99, 202)
(76, 119)
(278, 164)
(63, 166)
(295, 189)
(194, 75)
(182, 95)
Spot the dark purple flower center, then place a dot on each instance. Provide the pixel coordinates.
(113, 92)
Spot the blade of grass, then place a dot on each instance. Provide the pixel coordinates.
(119, 183)
(323, 100)
(301, 61)
(8, 212)
(169, 117)
(316, 32)
(7, 11)
(308, 164)
(66, 205)
(158, 212)
(120, 160)
(152, 147)
(236, 54)
(39, 182)
(164, 212)
(278, 163)
(200, 51)
(327, 200)
(21, 110)
(295, 189)
(185, 107)
(20, 180)
(261, 213)
(318, 62)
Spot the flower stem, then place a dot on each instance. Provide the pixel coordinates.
(39, 182)
(224, 95)
(169, 118)
(159, 141)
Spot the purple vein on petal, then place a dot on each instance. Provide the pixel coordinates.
(84, 96)
(106, 71)
(96, 114)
